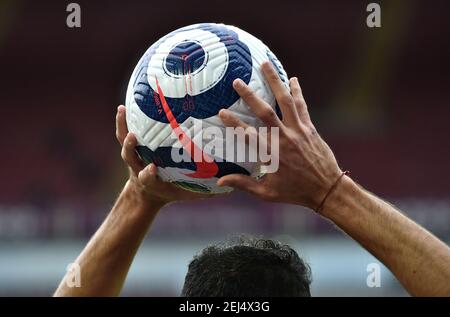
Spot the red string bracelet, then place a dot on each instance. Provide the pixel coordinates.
(331, 190)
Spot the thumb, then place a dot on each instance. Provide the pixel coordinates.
(147, 176)
(242, 182)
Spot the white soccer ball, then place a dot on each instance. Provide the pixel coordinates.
(182, 82)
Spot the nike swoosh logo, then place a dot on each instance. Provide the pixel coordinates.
(205, 169)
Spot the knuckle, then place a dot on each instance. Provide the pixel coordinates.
(251, 131)
(124, 154)
(231, 182)
(142, 177)
(235, 120)
(270, 196)
(295, 87)
(299, 101)
(268, 114)
(273, 76)
(117, 135)
(249, 94)
(287, 100)
(312, 130)
(304, 130)
(303, 102)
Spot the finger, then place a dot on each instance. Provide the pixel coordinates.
(148, 176)
(242, 182)
(249, 133)
(300, 103)
(121, 124)
(129, 154)
(282, 95)
(259, 107)
(229, 119)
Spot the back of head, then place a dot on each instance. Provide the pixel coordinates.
(247, 267)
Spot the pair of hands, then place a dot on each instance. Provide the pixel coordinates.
(307, 166)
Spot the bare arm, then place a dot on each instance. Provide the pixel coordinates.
(106, 259)
(307, 172)
(419, 260)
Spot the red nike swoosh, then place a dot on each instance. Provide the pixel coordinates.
(205, 169)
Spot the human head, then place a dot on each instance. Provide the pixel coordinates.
(247, 267)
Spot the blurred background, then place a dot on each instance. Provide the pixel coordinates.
(379, 96)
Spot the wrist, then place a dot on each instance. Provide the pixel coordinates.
(338, 199)
(141, 199)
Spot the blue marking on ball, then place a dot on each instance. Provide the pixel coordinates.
(186, 58)
(208, 103)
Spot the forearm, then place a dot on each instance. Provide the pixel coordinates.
(105, 261)
(419, 260)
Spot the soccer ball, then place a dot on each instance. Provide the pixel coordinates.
(182, 81)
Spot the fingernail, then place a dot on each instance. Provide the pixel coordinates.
(238, 83)
(266, 64)
(223, 112)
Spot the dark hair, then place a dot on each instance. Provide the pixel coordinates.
(247, 267)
